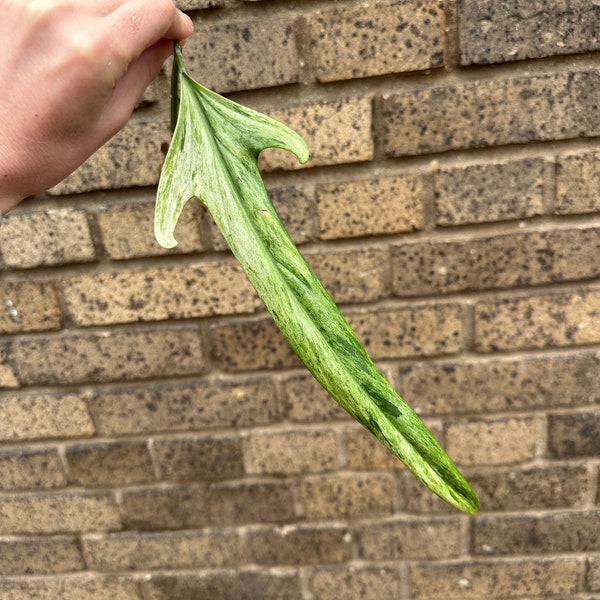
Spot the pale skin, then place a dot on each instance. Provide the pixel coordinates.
(71, 73)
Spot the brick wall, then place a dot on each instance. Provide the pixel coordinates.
(158, 440)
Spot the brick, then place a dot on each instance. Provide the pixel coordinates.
(230, 57)
(379, 206)
(132, 158)
(577, 182)
(533, 534)
(44, 416)
(491, 441)
(491, 113)
(46, 239)
(58, 513)
(454, 387)
(30, 469)
(347, 496)
(495, 580)
(519, 259)
(185, 407)
(364, 452)
(593, 575)
(8, 373)
(239, 584)
(40, 556)
(337, 132)
(165, 550)
(194, 4)
(365, 583)
(197, 290)
(366, 41)
(291, 452)
(415, 498)
(300, 545)
(415, 539)
(519, 30)
(540, 321)
(482, 193)
(108, 356)
(127, 231)
(574, 435)
(29, 307)
(200, 459)
(110, 464)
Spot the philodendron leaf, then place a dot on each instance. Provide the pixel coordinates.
(213, 156)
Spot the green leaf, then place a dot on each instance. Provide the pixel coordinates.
(213, 157)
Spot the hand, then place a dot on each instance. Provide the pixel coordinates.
(71, 73)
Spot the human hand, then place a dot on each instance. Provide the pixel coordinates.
(71, 73)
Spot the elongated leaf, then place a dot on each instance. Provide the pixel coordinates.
(213, 156)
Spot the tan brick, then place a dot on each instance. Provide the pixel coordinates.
(336, 132)
(128, 230)
(347, 496)
(132, 158)
(48, 238)
(577, 182)
(200, 459)
(30, 469)
(574, 435)
(371, 40)
(415, 539)
(300, 545)
(40, 555)
(483, 193)
(56, 513)
(491, 33)
(110, 464)
(531, 534)
(185, 407)
(593, 575)
(495, 580)
(229, 57)
(193, 4)
(28, 307)
(364, 452)
(370, 207)
(109, 356)
(165, 550)
(198, 290)
(362, 583)
(453, 387)
(490, 113)
(44, 416)
(541, 321)
(288, 452)
(8, 373)
(414, 497)
(491, 441)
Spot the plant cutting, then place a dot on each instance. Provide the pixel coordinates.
(213, 157)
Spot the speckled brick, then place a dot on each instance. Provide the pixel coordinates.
(179, 292)
(370, 40)
(370, 207)
(165, 550)
(8, 373)
(130, 159)
(491, 113)
(576, 434)
(506, 31)
(28, 307)
(337, 132)
(578, 181)
(481, 193)
(110, 464)
(495, 580)
(366, 583)
(109, 356)
(415, 498)
(194, 4)
(538, 321)
(44, 239)
(22, 469)
(364, 452)
(40, 555)
(511, 260)
(229, 57)
(31, 417)
(297, 451)
(454, 387)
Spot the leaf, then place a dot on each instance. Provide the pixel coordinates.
(213, 156)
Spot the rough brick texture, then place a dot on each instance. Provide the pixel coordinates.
(158, 438)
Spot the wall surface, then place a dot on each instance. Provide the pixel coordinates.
(158, 440)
